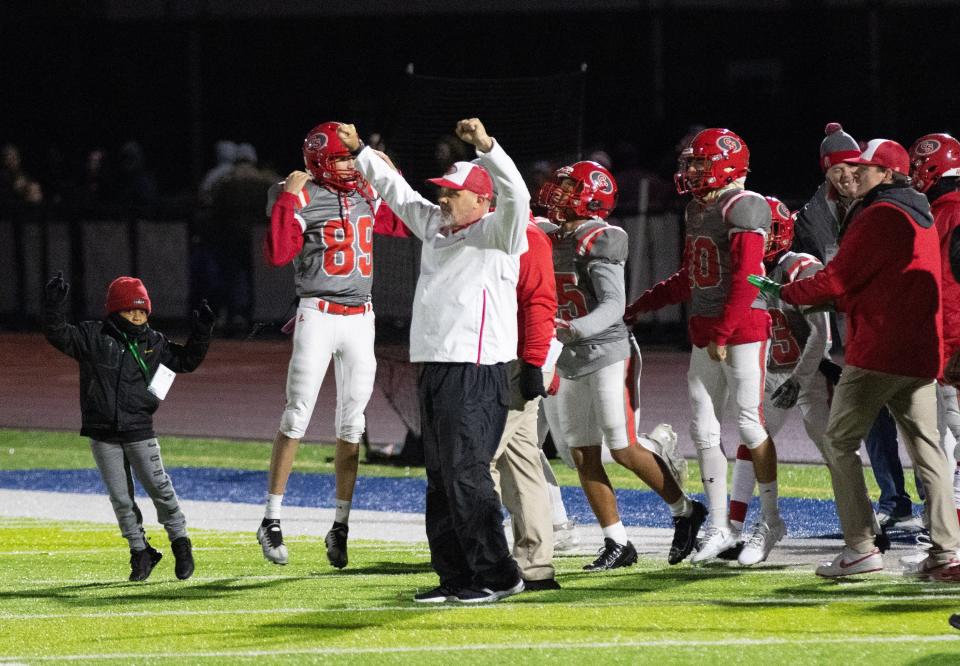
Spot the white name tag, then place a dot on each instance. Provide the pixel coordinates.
(161, 382)
(555, 348)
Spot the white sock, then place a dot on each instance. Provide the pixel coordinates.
(342, 512)
(273, 507)
(713, 472)
(768, 501)
(617, 532)
(682, 507)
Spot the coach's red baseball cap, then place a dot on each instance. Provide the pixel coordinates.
(884, 153)
(127, 293)
(466, 176)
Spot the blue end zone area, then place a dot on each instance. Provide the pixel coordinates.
(804, 517)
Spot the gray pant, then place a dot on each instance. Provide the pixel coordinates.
(115, 462)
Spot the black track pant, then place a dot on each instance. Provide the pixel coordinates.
(463, 409)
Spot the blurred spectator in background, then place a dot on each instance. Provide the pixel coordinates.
(17, 189)
(226, 153)
(94, 186)
(136, 186)
(655, 196)
(236, 207)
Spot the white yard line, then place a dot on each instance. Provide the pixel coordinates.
(480, 647)
(507, 607)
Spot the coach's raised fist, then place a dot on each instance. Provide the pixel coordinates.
(472, 131)
(348, 134)
(56, 290)
(295, 181)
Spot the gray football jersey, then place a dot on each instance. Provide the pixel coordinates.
(588, 265)
(790, 328)
(709, 229)
(336, 262)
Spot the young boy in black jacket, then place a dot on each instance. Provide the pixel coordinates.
(119, 357)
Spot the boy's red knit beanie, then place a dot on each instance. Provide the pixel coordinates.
(127, 293)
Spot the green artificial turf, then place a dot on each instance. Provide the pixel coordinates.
(64, 599)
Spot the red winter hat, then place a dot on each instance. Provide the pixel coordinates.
(466, 176)
(127, 293)
(884, 153)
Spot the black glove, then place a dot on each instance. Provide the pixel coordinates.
(531, 381)
(203, 316)
(786, 394)
(55, 291)
(830, 370)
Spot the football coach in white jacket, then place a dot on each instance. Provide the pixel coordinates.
(464, 331)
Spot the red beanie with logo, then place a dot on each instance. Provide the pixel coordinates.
(127, 293)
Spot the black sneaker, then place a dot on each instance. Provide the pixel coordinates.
(955, 620)
(484, 595)
(437, 595)
(685, 530)
(537, 585)
(270, 537)
(337, 545)
(613, 555)
(142, 562)
(183, 554)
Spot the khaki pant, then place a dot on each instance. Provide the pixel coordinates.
(518, 476)
(913, 403)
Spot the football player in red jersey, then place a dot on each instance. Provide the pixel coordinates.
(323, 220)
(935, 171)
(589, 407)
(798, 345)
(726, 227)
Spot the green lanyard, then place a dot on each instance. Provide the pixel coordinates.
(132, 346)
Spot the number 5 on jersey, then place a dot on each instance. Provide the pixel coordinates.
(347, 247)
(571, 302)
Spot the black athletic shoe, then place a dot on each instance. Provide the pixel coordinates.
(613, 555)
(337, 545)
(183, 554)
(142, 562)
(484, 595)
(955, 620)
(437, 595)
(537, 585)
(685, 530)
(270, 538)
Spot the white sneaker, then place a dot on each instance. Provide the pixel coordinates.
(758, 546)
(665, 440)
(715, 541)
(271, 541)
(851, 563)
(565, 537)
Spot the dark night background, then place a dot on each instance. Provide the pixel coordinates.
(177, 76)
(98, 73)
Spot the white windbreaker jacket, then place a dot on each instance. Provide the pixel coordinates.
(465, 307)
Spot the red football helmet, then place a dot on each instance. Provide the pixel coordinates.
(321, 149)
(780, 237)
(715, 158)
(932, 157)
(593, 193)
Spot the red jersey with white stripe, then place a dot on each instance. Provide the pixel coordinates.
(329, 237)
(790, 329)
